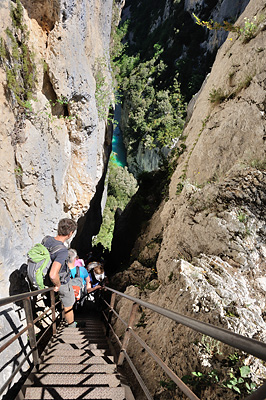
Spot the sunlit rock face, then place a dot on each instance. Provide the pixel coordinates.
(53, 157)
(209, 234)
(54, 149)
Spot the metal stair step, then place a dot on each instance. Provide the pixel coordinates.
(81, 339)
(46, 379)
(84, 329)
(78, 360)
(75, 352)
(69, 393)
(81, 334)
(80, 346)
(77, 368)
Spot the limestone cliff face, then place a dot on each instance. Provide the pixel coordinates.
(54, 147)
(207, 241)
(53, 154)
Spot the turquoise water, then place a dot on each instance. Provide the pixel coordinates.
(118, 148)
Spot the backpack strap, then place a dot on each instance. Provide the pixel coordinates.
(64, 272)
(77, 272)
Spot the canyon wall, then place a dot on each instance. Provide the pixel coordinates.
(54, 140)
(53, 154)
(203, 252)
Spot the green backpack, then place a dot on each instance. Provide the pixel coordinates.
(39, 262)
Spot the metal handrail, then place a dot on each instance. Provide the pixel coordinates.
(248, 345)
(26, 298)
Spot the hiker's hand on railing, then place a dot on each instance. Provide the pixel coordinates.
(56, 288)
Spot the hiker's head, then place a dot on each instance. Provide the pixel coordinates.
(72, 254)
(99, 272)
(66, 227)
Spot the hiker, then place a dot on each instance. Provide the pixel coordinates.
(76, 266)
(59, 272)
(97, 277)
(78, 272)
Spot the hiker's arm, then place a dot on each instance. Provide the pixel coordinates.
(92, 289)
(88, 283)
(88, 286)
(54, 275)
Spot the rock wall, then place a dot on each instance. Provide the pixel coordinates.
(207, 240)
(50, 165)
(54, 147)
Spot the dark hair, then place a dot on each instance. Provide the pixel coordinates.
(65, 226)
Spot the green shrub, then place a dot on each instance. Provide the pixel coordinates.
(217, 96)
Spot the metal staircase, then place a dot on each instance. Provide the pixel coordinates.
(77, 364)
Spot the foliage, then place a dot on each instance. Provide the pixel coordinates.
(121, 187)
(169, 385)
(156, 115)
(239, 376)
(142, 320)
(18, 171)
(242, 217)
(210, 345)
(52, 110)
(19, 62)
(247, 32)
(117, 47)
(258, 164)
(103, 90)
(217, 96)
(200, 381)
(212, 25)
(250, 28)
(239, 381)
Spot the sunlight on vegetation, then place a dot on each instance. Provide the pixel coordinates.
(247, 32)
(103, 90)
(156, 115)
(121, 187)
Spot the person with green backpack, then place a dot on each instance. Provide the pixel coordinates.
(48, 261)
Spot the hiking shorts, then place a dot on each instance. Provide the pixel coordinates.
(66, 294)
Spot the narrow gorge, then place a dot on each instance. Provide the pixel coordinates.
(187, 228)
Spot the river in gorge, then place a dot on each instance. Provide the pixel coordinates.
(118, 148)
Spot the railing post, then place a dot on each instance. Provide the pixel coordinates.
(112, 304)
(127, 333)
(31, 331)
(52, 294)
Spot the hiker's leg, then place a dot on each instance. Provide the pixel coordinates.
(67, 297)
(69, 315)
